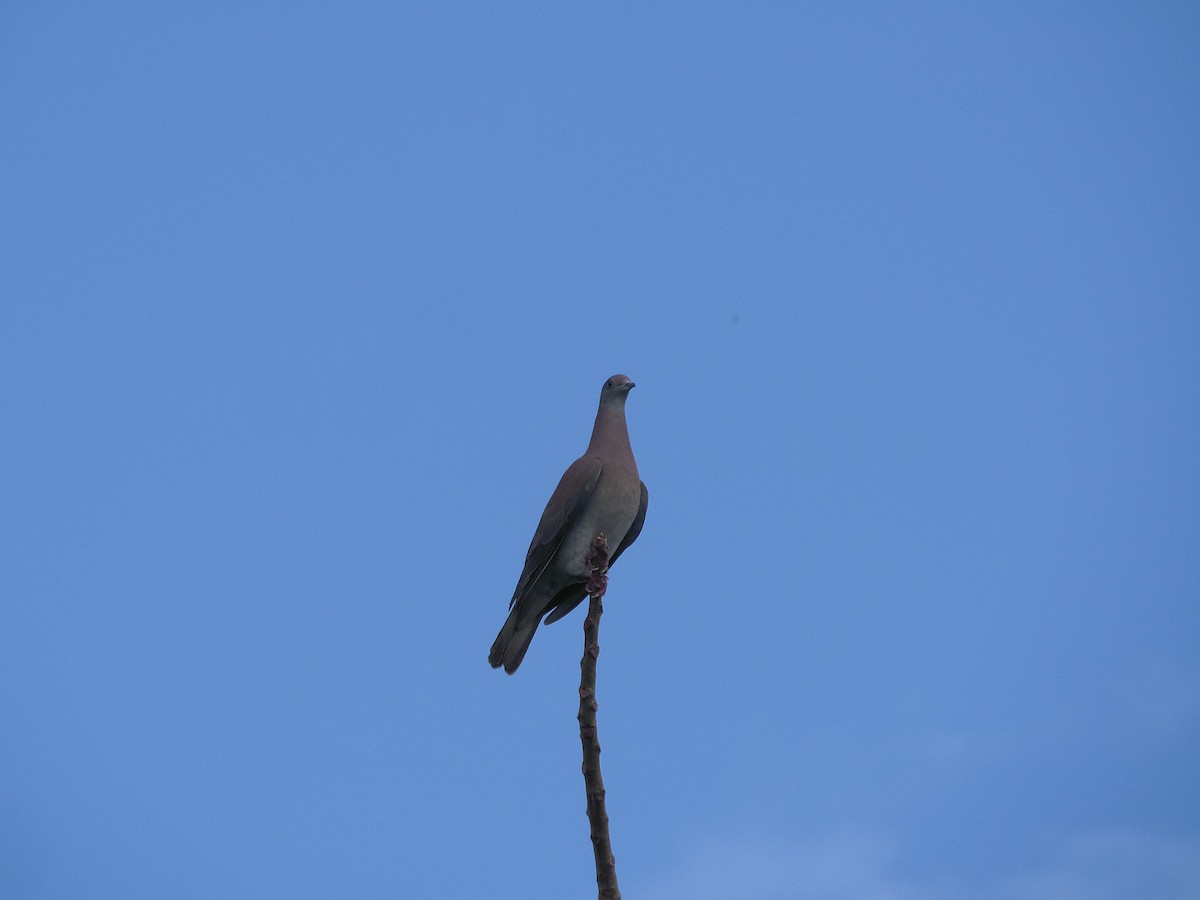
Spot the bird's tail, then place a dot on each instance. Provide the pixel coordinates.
(513, 640)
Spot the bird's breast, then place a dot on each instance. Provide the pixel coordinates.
(610, 511)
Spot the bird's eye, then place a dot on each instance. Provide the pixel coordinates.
(608, 383)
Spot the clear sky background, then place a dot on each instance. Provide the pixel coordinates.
(305, 309)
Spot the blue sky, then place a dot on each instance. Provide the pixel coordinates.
(306, 308)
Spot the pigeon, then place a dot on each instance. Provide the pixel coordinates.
(600, 493)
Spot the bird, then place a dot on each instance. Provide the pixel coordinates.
(600, 493)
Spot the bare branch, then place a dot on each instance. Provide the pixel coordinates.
(593, 782)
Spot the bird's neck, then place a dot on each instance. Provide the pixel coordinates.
(610, 432)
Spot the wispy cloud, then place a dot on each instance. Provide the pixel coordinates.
(842, 867)
(1097, 865)
(1112, 865)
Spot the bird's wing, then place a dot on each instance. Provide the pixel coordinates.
(635, 527)
(566, 503)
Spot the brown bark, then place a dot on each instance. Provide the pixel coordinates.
(593, 782)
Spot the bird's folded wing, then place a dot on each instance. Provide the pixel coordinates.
(568, 500)
(635, 528)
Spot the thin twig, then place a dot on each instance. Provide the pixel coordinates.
(593, 782)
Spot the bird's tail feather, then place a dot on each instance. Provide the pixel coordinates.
(512, 641)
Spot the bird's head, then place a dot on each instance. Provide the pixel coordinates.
(616, 389)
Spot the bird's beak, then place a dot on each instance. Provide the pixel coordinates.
(630, 386)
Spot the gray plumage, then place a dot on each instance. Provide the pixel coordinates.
(599, 494)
